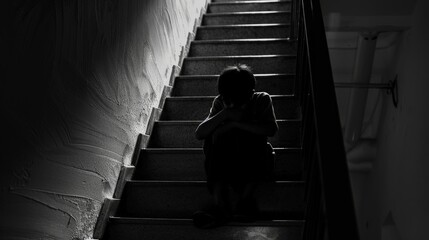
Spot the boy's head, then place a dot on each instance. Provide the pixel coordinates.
(236, 84)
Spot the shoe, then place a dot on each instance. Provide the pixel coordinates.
(207, 220)
(204, 220)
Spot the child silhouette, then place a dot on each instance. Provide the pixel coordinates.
(235, 139)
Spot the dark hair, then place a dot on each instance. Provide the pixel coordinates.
(236, 84)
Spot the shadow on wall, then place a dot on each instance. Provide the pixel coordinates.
(79, 81)
(389, 230)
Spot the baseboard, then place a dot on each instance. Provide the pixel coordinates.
(166, 92)
(174, 73)
(125, 175)
(110, 206)
(141, 138)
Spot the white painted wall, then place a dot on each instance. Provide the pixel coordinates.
(79, 79)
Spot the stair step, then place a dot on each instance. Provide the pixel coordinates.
(258, 63)
(239, 1)
(179, 229)
(180, 199)
(249, 6)
(242, 47)
(198, 108)
(183, 164)
(168, 184)
(247, 18)
(246, 31)
(181, 134)
(205, 85)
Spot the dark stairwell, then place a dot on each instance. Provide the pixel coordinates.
(80, 79)
(168, 182)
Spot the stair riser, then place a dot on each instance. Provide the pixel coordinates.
(242, 48)
(243, 32)
(198, 109)
(173, 200)
(206, 86)
(229, 1)
(222, 19)
(182, 135)
(189, 166)
(173, 197)
(129, 231)
(226, 1)
(248, 7)
(212, 66)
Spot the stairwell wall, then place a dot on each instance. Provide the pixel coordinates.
(393, 193)
(79, 80)
(397, 189)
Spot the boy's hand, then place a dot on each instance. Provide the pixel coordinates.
(221, 130)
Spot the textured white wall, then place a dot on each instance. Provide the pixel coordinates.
(79, 79)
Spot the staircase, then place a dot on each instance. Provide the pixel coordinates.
(168, 183)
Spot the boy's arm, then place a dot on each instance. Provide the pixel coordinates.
(260, 128)
(267, 124)
(223, 118)
(217, 117)
(209, 125)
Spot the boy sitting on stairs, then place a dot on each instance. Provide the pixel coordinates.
(235, 139)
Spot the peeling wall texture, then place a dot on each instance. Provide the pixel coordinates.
(79, 79)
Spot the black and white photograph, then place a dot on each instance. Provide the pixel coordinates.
(214, 120)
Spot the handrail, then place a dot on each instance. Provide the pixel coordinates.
(330, 212)
(391, 87)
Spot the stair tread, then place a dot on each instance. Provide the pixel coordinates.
(256, 75)
(153, 199)
(243, 31)
(274, 83)
(198, 183)
(187, 164)
(229, 33)
(243, 47)
(287, 96)
(192, 122)
(241, 56)
(218, 1)
(177, 229)
(247, 2)
(181, 133)
(245, 6)
(187, 221)
(274, 63)
(181, 150)
(244, 40)
(197, 107)
(246, 13)
(245, 25)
